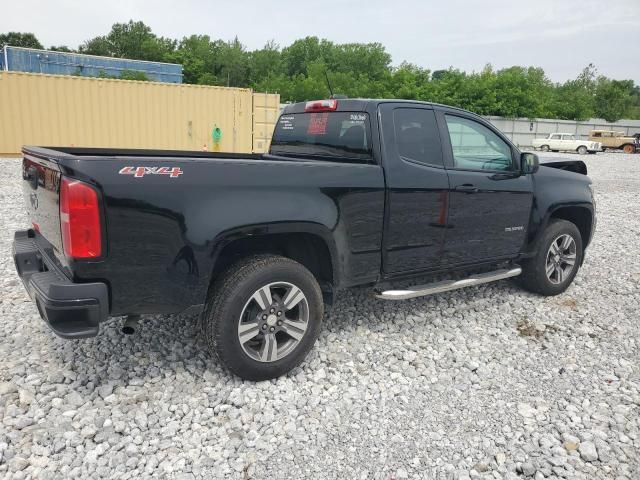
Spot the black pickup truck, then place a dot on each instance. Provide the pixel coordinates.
(352, 192)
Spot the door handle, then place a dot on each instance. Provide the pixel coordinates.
(467, 187)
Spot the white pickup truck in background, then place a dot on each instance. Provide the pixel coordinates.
(566, 142)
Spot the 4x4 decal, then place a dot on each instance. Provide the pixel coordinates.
(139, 172)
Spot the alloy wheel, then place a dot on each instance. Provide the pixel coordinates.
(561, 259)
(273, 321)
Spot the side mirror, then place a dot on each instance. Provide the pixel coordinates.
(529, 162)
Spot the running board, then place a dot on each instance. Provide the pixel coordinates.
(446, 285)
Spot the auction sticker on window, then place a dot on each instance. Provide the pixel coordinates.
(318, 123)
(286, 122)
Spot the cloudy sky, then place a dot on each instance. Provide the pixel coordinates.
(562, 36)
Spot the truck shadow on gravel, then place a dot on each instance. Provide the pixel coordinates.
(161, 347)
(164, 345)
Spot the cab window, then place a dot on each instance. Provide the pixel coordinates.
(417, 137)
(476, 147)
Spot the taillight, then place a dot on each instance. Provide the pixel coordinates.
(321, 106)
(80, 219)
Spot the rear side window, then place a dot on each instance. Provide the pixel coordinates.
(417, 137)
(338, 136)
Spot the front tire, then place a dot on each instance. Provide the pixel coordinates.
(556, 262)
(582, 150)
(545, 148)
(263, 316)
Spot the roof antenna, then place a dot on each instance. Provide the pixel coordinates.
(328, 83)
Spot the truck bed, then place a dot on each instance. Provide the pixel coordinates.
(183, 221)
(89, 152)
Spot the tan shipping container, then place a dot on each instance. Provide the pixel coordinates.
(266, 110)
(54, 110)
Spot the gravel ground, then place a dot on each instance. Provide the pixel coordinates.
(488, 382)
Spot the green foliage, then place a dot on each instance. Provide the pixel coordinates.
(19, 39)
(571, 101)
(613, 98)
(134, 75)
(130, 40)
(298, 72)
(125, 75)
(61, 48)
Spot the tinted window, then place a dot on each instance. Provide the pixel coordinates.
(476, 147)
(417, 136)
(340, 136)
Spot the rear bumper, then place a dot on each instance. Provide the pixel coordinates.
(71, 310)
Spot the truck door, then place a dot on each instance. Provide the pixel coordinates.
(489, 201)
(417, 188)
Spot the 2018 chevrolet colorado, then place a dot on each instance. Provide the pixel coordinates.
(352, 192)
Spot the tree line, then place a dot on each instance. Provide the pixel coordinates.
(299, 72)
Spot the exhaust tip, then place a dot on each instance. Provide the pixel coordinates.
(130, 324)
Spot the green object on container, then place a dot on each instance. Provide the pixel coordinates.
(216, 134)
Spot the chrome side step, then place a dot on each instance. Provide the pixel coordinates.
(446, 285)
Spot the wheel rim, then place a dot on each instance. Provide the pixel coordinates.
(273, 321)
(582, 150)
(545, 148)
(561, 259)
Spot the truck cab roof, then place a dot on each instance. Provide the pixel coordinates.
(364, 104)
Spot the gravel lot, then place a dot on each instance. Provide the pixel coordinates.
(488, 382)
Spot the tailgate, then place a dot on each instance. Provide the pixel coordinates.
(41, 187)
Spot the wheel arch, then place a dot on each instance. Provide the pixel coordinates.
(580, 215)
(309, 244)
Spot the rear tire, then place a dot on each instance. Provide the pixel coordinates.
(263, 316)
(549, 272)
